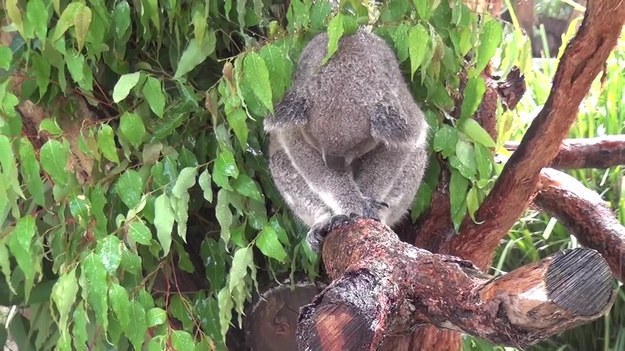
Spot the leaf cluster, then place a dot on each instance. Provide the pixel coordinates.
(146, 161)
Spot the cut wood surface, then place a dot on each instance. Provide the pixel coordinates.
(382, 286)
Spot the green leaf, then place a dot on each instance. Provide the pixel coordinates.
(156, 316)
(106, 143)
(426, 7)
(418, 46)
(240, 261)
(224, 301)
(237, 120)
(223, 214)
(185, 181)
(132, 129)
(268, 243)
(136, 332)
(53, 157)
(335, 32)
(484, 162)
(6, 56)
(49, 125)
(94, 285)
(79, 329)
(445, 140)
(319, 13)
(124, 85)
(129, 188)
(24, 232)
(257, 76)
(195, 53)
(110, 253)
(81, 21)
(466, 155)
(458, 186)
(41, 69)
(490, 38)
(140, 233)
(64, 296)
(247, 187)
(9, 166)
(153, 93)
(75, 63)
(475, 131)
(80, 208)
(67, 19)
(226, 165)
(15, 15)
(280, 69)
(181, 209)
(205, 183)
(121, 19)
(214, 263)
(164, 222)
(473, 202)
(5, 265)
(181, 340)
(120, 304)
(473, 93)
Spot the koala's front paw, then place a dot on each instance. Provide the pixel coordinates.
(318, 232)
(372, 207)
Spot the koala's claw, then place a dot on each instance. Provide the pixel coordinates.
(372, 207)
(318, 232)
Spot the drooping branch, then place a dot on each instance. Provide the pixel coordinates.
(382, 287)
(582, 61)
(586, 216)
(604, 152)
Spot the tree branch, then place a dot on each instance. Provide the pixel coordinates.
(586, 216)
(580, 64)
(604, 152)
(382, 287)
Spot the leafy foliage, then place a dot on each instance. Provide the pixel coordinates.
(149, 163)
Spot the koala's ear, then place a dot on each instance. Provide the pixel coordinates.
(389, 125)
(292, 111)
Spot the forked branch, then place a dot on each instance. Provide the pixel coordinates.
(581, 63)
(382, 286)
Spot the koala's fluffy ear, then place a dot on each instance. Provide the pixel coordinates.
(389, 125)
(292, 111)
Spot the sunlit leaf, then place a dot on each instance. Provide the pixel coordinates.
(195, 53)
(124, 85)
(163, 221)
(268, 243)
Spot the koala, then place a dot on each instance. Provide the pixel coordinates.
(348, 138)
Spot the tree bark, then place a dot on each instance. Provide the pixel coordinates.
(603, 152)
(382, 286)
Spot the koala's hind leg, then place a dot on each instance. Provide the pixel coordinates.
(299, 197)
(392, 176)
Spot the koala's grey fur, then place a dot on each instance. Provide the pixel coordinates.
(348, 136)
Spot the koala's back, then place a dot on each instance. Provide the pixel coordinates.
(344, 93)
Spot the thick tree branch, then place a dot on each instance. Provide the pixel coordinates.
(586, 216)
(580, 64)
(382, 286)
(604, 152)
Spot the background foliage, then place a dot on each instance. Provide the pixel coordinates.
(145, 162)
